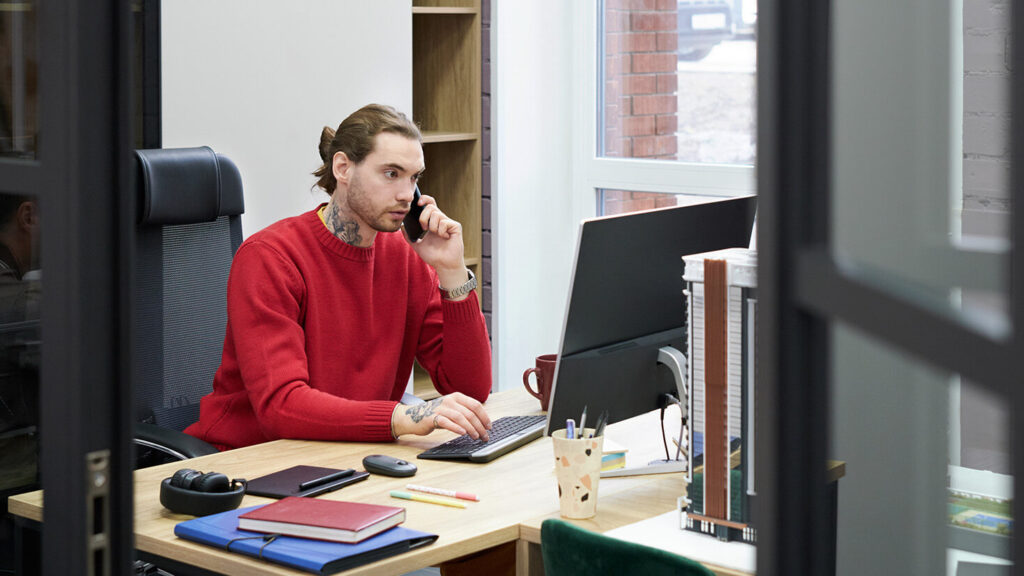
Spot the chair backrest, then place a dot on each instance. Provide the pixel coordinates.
(189, 227)
(572, 551)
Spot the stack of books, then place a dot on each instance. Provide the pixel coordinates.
(613, 456)
(319, 536)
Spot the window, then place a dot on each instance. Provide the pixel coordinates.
(674, 103)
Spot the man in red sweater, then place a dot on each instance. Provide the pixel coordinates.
(328, 309)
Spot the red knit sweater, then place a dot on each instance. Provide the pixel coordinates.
(321, 338)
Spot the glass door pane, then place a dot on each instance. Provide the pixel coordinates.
(920, 152)
(20, 340)
(20, 279)
(18, 87)
(927, 488)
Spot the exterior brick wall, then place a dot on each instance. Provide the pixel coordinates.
(640, 91)
(986, 169)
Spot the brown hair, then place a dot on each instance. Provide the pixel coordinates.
(355, 137)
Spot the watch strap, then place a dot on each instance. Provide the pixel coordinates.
(461, 291)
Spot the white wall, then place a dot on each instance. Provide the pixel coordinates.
(257, 81)
(534, 230)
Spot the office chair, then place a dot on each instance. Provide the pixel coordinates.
(188, 229)
(572, 551)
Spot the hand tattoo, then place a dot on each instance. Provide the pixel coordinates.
(422, 411)
(346, 230)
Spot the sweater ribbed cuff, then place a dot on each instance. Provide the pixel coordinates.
(379, 421)
(462, 311)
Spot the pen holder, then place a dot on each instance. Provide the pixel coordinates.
(577, 469)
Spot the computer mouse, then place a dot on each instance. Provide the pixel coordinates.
(388, 465)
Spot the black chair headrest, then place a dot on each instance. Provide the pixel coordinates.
(187, 186)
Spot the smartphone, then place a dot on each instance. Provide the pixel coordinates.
(411, 224)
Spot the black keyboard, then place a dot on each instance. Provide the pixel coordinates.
(507, 433)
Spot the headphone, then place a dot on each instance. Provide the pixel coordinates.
(199, 494)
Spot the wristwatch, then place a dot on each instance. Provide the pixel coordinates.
(461, 291)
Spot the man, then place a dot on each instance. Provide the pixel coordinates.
(20, 291)
(327, 310)
(19, 315)
(18, 235)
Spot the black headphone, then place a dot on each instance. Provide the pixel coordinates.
(193, 492)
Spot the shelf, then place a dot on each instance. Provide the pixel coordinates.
(446, 97)
(437, 136)
(442, 10)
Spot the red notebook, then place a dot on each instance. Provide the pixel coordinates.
(332, 520)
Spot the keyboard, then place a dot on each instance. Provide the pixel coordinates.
(507, 433)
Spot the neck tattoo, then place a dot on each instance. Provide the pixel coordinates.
(345, 228)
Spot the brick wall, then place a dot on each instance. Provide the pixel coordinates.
(640, 90)
(486, 290)
(986, 151)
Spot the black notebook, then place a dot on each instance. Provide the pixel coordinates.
(303, 481)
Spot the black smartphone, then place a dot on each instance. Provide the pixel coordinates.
(411, 224)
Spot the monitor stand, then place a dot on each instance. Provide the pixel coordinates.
(676, 363)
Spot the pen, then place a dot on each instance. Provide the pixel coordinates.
(442, 492)
(570, 429)
(335, 484)
(601, 421)
(583, 421)
(427, 499)
(325, 479)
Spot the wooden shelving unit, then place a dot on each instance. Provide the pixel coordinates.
(436, 136)
(446, 104)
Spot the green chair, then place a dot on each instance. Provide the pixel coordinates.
(570, 551)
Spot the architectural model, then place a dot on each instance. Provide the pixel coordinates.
(721, 293)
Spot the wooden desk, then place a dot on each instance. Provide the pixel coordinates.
(517, 492)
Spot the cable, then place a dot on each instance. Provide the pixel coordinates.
(665, 400)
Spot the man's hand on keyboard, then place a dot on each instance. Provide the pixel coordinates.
(456, 412)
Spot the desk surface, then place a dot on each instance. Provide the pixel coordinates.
(517, 492)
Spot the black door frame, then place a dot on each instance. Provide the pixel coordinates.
(81, 178)
(803, 291)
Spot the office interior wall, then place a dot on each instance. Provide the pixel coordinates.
(534, 230)
(257, 81)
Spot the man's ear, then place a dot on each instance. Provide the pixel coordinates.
(28, 215)
(341, 167)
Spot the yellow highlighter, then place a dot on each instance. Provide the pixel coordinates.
(427, 499)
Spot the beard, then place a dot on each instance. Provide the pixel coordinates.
(361, 204)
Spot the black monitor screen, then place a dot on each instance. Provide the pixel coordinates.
(626, 301)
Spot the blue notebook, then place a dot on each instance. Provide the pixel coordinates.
(316, 556)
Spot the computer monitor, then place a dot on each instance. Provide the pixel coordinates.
(626, 308)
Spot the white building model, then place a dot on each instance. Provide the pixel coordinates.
(721, 292)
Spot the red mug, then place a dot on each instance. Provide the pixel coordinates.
(545, 376)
